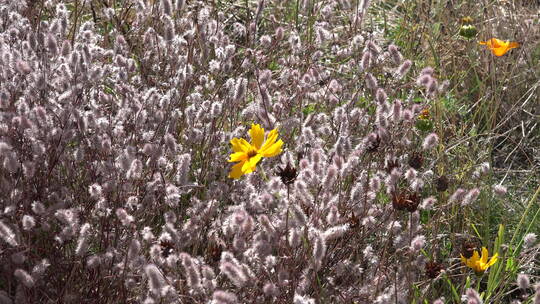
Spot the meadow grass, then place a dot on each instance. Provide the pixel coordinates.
(401, 147)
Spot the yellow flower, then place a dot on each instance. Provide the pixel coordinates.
(249, 154)
(480, 264)
(499, 47)
(424, 114)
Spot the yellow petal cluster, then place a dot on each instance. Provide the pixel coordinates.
(499, 47)
(248, 154)
(480, 264)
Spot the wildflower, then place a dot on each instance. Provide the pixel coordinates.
(499, 47)
(468, 31)
(467, 20)
(472, 297)
(477, 263)
(499, 190)
(424, 123)
(428, 203)
(529, 240)
(424, 114)
(249, 154)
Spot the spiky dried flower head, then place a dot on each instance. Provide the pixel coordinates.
(287, 174)
(433, 269)
(467, 249)
(441, 183)
(416, 160)
(405, 200)
(167, 247)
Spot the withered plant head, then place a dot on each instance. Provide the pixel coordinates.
(405, 200)
(416, 160)
(354, 221)
(468, 248)
(373, 146)
(287, 174)
(441, 184)
(433, 269)
(167, 247)
(391, 164)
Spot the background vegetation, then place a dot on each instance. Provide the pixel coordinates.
(115, 122)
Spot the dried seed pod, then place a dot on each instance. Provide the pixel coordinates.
(433, 269)
(405, 200)
(167, 247)
(416, 160)
(441, 184)
(287, 174)
(391, 164)
(372, 146)
(467, 249)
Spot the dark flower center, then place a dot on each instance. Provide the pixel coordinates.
(252, 153)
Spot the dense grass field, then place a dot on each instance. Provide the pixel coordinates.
(306, 152)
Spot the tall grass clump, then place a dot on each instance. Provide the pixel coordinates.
(120, 124)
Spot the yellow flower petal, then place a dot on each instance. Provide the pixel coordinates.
(257, 135)
(270, 139)
(497, 43)
(240, 145)
(238, 156)
(513, 45)
(475, 257)
(499, 51)
(272, 150)
(485, 254)
(250, 165)
(236, 171)
(493, 260)
(499, 47)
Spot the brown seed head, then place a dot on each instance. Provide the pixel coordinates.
(405, 200)
(441, 183)
(288, 174)
(468, 249)
(416, 160)
(167, 247)
(433, 269)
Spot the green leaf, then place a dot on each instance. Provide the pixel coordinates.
(424, 125)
